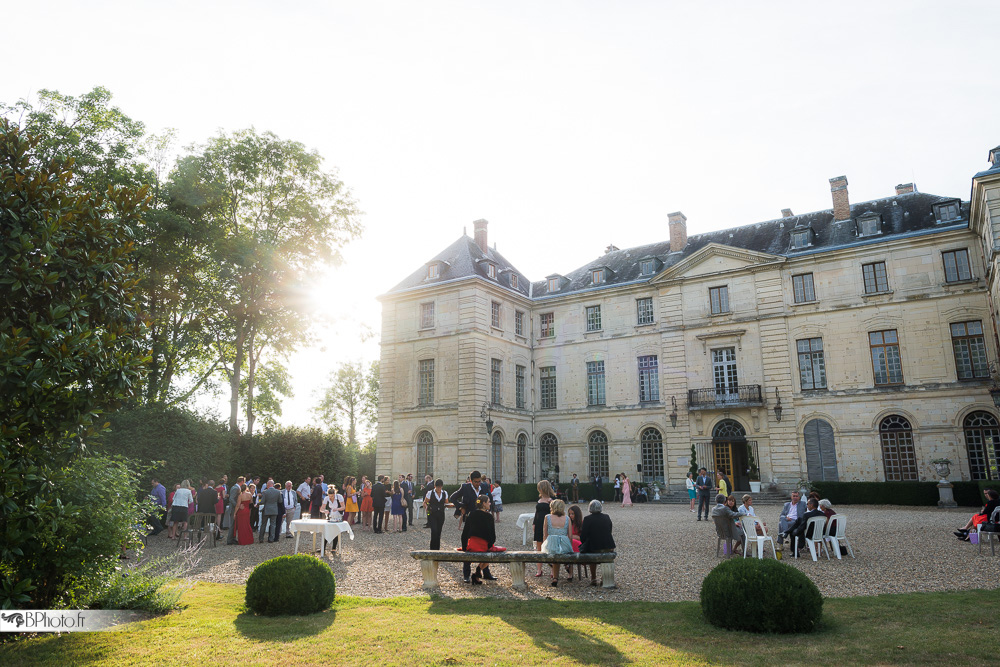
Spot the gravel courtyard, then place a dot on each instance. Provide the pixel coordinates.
(663, 555)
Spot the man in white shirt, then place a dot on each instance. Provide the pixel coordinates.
(290, 499)
(789, 513)
(304, 491)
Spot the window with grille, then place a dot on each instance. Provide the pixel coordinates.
(491, 270)
(548, 325)
(495, 367)
(513, 280)
(593, 318)
(982, 442)
(595, 383)
(548, 449)
(802, 288)
(519, 323)
(649, 379)
(898, 455)
(812, 367)
(497, 456)
(522, 458)
(427, 315)
(801, 239)
(970, 350)
(875, 277)
(946, 212)
(652, 455)
(869, 226)
(425, 455)
(495, 314)
(887, 367)
(597, 276)
(433, 271)
(547, 387)
(598, 449)
(553, 284)
(519, 386)
(644, 310)
(956, 266)
(719, 297)
(426, 374)
(647, 267)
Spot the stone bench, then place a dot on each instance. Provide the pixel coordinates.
(515, 561)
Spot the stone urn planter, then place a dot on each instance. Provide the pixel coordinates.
(945, 490)
(943, 469)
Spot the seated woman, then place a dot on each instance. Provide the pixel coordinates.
(555, 535)
(992, 502)
(746, 509)
(595, 535)
(575, 515)
(826, 507)
(478, 535)
(737, 526)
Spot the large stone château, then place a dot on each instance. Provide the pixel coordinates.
(851, 343)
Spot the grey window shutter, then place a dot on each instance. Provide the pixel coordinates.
(821, 452)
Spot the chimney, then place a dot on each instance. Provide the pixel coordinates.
(480, 230)
(905, 188)
(678, 231)
(786, 213)
(995, 157)
(841, 204)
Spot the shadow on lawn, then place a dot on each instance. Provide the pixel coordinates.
(283, 628)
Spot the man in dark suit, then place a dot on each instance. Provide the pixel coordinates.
(595, 535)
(378, 503)
(427, 488)
(410, 496)
(703, 484)
(597, 487)
(271, 506)
(790, 513)
(469, 492)
(797, 531)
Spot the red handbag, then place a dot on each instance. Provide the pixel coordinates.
(477, 544)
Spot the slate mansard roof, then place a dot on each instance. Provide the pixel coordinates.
(901, 216)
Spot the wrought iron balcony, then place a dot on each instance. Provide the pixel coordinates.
(738, 396)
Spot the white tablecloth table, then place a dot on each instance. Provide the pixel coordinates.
(524, 522)
(329, 529)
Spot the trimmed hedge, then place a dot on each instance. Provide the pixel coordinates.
(967, 494)
(528, 493)
(291, 586)
(760, 596)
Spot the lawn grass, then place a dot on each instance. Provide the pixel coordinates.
(925, 628)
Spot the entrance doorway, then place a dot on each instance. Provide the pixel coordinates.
(731, 453)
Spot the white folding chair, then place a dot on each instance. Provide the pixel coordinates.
(837, 535)
(817, 536)
(749, 524)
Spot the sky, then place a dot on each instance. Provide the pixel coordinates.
(568, 125)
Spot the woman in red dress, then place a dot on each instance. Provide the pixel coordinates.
(244, 533)
(366, 502)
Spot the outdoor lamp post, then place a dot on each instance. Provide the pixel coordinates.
(486, 414)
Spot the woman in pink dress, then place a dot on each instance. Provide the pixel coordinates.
(626, 491)
(244, 533)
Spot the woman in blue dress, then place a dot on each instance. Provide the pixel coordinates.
(556, 534)
(397, 507)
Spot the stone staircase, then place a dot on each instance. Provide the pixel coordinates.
(760, 498)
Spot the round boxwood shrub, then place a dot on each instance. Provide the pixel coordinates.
(760, 596)
(291, 585)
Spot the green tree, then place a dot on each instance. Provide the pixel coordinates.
(350, 403)
(271, 215)
(71, 341)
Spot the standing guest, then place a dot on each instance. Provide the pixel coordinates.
(316, 498)
(790, 513)
(618, 487)
(159, 496)
(405, 501)
(170, 504)
(271, 504)
(397, 507)
(427, 488)
(574, 489)
(244, 531)
(722, 483)
(220, 504)
(478, 536)
(626, 491)
(322, 481)
(207, 499)
(434, 503)
(304, 491)
(468, 494)
(333, 507)
(555, 534)
(254, 502)
(598, 483)
(595, 535)
(410, 495)
(704, 486)
(366, 502)
(497, 501)
(350, 500)
(541, 511)
(290, 500)
(387, 510)
(179, 508)
(234, 502)
(692, 492)
(378, 504)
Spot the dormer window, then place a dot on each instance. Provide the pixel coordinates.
(597, 276)
(647, 267)
(433, 271)
(491, 270)
(513, 280)
(553, 284)
(947, 212)
(801, 238)
(870, 225)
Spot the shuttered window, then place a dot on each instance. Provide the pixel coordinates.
(821, 452)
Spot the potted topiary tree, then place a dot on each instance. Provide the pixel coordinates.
(753, 470)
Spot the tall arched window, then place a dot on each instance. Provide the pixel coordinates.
(598, 447)
(982, 441)
(425, 455)
(497, 455)
(549, 451)
(522, 456)
(821, 452)
(652, 455)
(898, 454)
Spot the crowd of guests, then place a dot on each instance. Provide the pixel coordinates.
(793, 522)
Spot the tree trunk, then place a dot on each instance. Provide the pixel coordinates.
(251, 369)
(234, 384)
